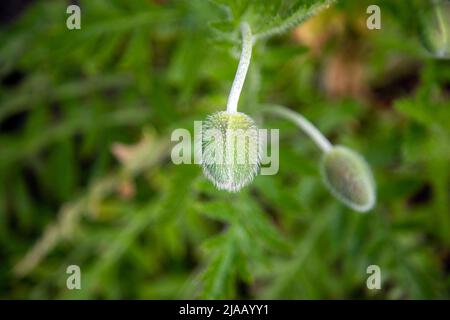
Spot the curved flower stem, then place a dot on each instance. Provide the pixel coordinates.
(304, 124)
(241, 73)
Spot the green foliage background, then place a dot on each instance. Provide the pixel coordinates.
(86, 176)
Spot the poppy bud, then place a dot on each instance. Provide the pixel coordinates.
(349, 178)
(435, 28)
(230, 150)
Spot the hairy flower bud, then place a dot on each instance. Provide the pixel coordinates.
(230, 150)
(349, 178)
(435, 28)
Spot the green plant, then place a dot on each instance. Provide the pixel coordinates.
(228, 167)
(435, 27)
(346, 174)
(86, 118)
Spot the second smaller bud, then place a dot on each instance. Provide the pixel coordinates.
(349, 178)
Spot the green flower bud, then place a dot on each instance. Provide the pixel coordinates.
(349, 178)
(435, 27)
(230, 150)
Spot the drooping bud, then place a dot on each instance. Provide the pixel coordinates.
(230, 150)
(435, 27)
(349, 178)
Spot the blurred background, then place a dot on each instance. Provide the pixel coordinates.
(85, 171)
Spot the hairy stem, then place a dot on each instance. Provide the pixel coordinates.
(241, 73)
(304, 124)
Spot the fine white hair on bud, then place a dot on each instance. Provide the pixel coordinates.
(349, 178)
(231, 150)
(435, 28)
